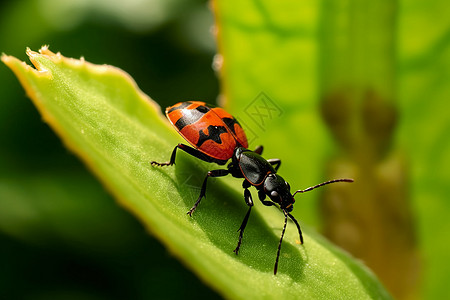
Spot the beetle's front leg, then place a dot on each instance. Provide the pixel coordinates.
(249, 201)
(213, 173)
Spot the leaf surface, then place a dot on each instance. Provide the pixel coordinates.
(116, 130)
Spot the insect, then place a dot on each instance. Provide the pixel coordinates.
(216, 136)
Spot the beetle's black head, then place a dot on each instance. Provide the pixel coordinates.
(279, 191)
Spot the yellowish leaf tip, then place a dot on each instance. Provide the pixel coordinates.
(4, 57)
(13, 63)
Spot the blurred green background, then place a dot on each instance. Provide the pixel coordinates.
(63, 237)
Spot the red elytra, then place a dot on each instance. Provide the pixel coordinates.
(210, 129)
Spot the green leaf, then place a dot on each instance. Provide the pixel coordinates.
(116, 130)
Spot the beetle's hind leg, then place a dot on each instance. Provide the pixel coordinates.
(249, 201)
(194, 152)
(171, 161)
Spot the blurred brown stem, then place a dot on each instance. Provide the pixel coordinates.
(371, 218)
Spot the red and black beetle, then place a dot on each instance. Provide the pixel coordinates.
(216, 136)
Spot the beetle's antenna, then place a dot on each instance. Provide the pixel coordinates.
(322, 184)
(298, 227)
(279, 244)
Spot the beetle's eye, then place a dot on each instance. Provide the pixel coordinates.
(274, 194)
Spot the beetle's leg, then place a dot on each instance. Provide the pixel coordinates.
(262, 196)
(213, 173)
(194, 152)
(276, 162)
(259, 149)
(249, 201)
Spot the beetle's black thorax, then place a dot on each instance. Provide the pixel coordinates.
(250, 165)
